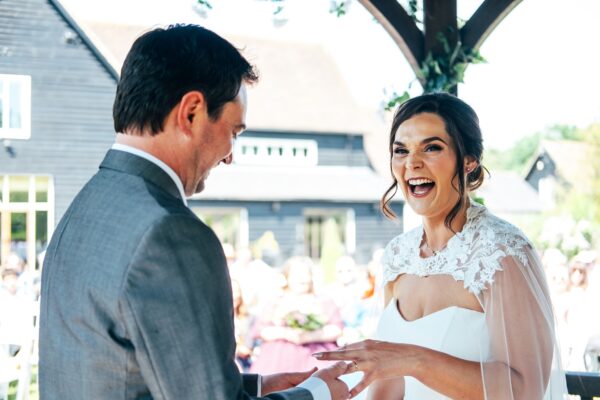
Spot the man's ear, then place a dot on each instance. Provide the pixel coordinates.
(191, 107)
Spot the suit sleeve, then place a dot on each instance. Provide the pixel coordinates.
(177, 310)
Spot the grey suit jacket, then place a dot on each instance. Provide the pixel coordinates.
(136, 298)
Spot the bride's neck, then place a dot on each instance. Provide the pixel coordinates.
(436, 231)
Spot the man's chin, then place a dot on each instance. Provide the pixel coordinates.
(199, 188)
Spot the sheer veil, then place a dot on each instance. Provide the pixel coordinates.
(519, 353)
(521, 326)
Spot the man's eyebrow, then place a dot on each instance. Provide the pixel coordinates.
(424, 141)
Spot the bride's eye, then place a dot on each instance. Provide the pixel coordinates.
(400, 151)
(433, 147)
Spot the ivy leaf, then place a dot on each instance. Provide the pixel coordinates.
(396, 100)
(338, 9)
(205, 3)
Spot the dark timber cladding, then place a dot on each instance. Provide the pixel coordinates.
(439, 16)
(72, 91)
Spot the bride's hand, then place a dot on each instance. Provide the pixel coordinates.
(377, 360)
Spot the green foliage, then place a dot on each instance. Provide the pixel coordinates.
(442, 73)
(563, 132)
(396, 99)
(478, 199)
(516, 158)
(412, 10)
(205, 4)
(306, 322)
(339, 8)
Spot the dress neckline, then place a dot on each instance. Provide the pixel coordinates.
(473, 210)
(395, 304)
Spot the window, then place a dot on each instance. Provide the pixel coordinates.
(330, 230)
(15, 106)
(265, 151)
(26, 216)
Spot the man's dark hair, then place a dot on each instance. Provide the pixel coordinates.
(164, 64)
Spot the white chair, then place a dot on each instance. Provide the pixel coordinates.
(18, 320)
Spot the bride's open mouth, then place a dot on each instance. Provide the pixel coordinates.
(420, 187)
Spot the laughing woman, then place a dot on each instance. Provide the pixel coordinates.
(468, 315)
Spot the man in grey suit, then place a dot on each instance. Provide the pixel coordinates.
(136, 297)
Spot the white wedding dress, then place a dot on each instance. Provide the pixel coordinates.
(513, 338)
(452, 330)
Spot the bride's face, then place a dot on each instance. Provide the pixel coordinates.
(424, 164)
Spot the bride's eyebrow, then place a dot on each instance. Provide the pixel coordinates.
(424, 141)
(433, 139)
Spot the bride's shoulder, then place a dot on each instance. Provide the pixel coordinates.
(494, 231)
(398, 253)
(403, 242)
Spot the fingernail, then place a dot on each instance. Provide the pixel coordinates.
(317, 355)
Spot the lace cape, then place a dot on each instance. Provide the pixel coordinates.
(473, 255)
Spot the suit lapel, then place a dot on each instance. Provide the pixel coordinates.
(132, 164)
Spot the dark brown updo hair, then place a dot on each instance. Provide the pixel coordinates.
(462, 125)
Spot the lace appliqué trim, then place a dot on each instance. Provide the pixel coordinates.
(472, 255)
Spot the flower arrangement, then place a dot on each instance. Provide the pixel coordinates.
(306, 322)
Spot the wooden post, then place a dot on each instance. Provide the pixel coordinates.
(439, 18)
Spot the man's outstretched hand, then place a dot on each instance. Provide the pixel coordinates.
(278, 382)
(337, 388)
(330, 375)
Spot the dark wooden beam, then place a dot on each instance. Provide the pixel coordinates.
(440, 20)
(401, 27)
(439, 17)
(489, 14)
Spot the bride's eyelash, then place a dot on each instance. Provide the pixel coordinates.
(434, 147)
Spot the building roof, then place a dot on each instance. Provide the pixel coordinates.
(301, 88)
(100, 55)
(508, 192)
(570, 158)
(319, 183)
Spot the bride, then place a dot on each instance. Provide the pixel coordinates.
(468, 314)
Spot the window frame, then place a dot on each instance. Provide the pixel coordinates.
(24, 131)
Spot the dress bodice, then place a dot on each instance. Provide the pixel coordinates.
(456, 331)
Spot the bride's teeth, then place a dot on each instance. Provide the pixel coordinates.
(415, 182)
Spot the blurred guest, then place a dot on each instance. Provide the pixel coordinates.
(349, 291)
(297, 324)
(242, 323)
(582, 306)
(27, 281)
(256, 278)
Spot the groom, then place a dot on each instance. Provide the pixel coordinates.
(136, 297)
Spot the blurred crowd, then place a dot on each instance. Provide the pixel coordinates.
(575, 288)
(286, 312)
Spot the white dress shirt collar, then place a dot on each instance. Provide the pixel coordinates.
(157, 162)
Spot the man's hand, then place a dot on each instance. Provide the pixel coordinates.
(337, 388)
(278, 382)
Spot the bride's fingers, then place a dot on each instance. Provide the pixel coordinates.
(337, 355)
